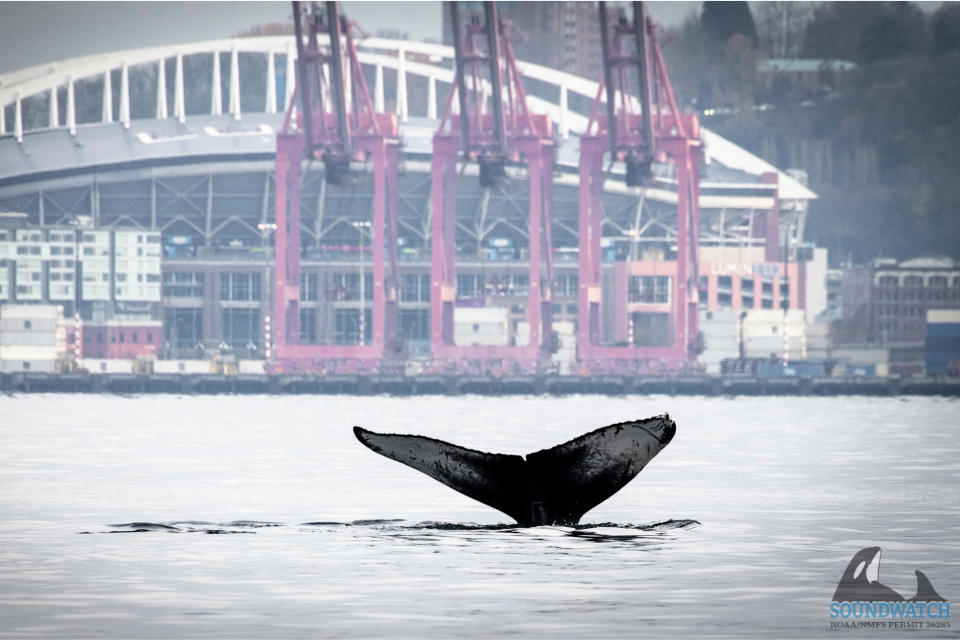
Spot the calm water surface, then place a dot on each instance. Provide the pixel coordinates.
(741, 527)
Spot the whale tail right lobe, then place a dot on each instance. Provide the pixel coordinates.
(554, 486)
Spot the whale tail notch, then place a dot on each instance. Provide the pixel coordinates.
(553, 486)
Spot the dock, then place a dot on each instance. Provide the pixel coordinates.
(399, 385)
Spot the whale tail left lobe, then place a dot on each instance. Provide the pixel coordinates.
(494, 479)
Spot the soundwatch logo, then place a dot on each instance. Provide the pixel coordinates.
(861, 601)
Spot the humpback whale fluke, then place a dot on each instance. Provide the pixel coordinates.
(552, 486)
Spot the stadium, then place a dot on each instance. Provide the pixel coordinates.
(180, 141)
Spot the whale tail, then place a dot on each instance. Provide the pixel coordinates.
(553, 486)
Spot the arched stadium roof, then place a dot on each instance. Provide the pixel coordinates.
(168, 114)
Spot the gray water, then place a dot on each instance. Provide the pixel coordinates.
(741, 527)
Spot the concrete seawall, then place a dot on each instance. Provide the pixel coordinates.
(36, 382)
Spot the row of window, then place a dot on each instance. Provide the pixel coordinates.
(97, 336)
(917, 281)
(892, 327)
(908, 296)
(346, 286)
(892, 312)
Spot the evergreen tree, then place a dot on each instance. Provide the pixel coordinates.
(723, 20)
(946, 29)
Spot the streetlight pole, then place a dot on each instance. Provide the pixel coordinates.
(360, 226)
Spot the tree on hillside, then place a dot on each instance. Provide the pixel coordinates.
(864, 31)
(723, 20)
(687, 61)
(896, 30)
(707, 73)
(836, 29)
(946, 29)
(781, 25)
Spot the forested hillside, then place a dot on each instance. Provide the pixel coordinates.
(881, 143)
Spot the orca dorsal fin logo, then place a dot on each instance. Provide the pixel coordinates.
(553, 486)
(860, 582)
(925, 590)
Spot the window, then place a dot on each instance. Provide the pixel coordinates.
(889, 281)
(181, 284)
(415, 287)
(469, 285)
(308, 325)
(135, 336)
(183, 327)
(415, 324)
(567, 285)
(913, 281)
(519, 284)
(346, 286)
(54, 251)
(308, 288)
(347, 326)
(240, 287)
(240, 327)
(649, 289)
(938, 281)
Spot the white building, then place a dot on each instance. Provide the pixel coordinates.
(92, 268)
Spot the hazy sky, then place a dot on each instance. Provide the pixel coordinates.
(37, 32)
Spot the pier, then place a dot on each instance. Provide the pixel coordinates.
(400, 385)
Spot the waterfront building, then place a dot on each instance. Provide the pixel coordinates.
(886, 303)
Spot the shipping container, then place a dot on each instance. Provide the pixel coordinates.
(29, 352)
(186, 367)
(942, 344)
(251, 366)
(861, 356)
(29, 338)
(96, 365)
(487, 326)
(29, 324)
(34, 366)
